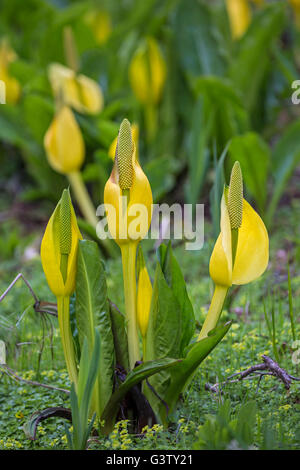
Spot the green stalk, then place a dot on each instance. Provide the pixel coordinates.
(214, 311)
(63, 310)
(128, 251)
(83, 198)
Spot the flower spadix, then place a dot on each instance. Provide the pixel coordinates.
(135, 136)
(127, 193)
(64, 143)
(240, 225)
(76, 90)
(59, 248)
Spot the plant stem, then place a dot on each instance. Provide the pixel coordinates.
(214, 311)
(128, 251)
(63, 310)
(83, 198)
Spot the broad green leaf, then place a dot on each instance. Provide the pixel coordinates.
(253, 153)
(118, 324)
(197, 40)
(136, 376)
(92, 312)
(198, 152)
(165, 323)
(253, 55)
(183, 372)
(285, 158)
(246, 421)
(223, 106)
(175, 280)
(216, 191)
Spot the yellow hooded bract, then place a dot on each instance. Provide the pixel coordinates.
(63, 143)
(239, 14)
(119, 224)
(78, 91)
(51, 254)
(147, 72)
(127, 193)
(100, 24)
(252, 253)
(12, 86)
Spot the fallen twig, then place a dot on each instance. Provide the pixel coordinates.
(269, 365)
(11, 373)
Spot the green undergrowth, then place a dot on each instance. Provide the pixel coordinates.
(34, 352)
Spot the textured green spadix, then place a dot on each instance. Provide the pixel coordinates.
(235, 196)
(65, 231)
(124, 155)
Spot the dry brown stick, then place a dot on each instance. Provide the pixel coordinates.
(11, 373)
(278, 371)
(269, 366)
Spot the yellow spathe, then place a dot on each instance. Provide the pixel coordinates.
(147, 72)
(100, 24)
(12, 86)
(252, 253)
(78, 91)
(51, 254)
(119, 224)
(239, 14)
(64, 143)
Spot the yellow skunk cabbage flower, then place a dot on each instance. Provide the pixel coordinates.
(12, 86)
(147, 72)
(296, 7)
(241, 252)
(144, 295)
(61, 238)
(135, 135)
(100, 24)
(59, 260)
(128, 204)
(239, 13)
(127, 179)
(63, 142)
(78, 91)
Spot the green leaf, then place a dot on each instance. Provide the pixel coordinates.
(224, 108)
(175, 280)
(285, 158)
(137, 375)
(253, 153)
(198, 153)
(197, 40)
(216, 191)
(253, 55)
(165, 324)
(92, 312)
(118, 324)
(183, 372)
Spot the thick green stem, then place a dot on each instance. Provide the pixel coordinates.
(63, 310)
(82, 196)
(214, 311)
(128, 251)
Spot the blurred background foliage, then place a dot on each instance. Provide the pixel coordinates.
(206, 83)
